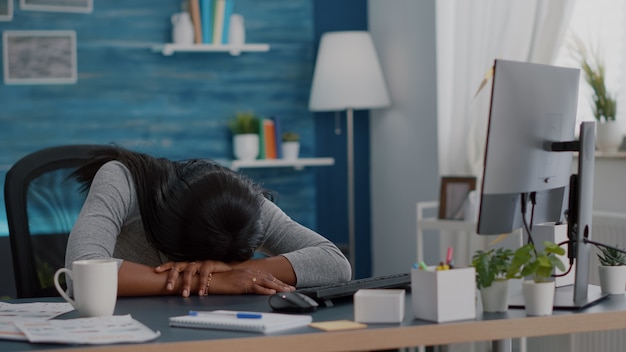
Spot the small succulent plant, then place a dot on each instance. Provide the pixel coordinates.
(611, 256)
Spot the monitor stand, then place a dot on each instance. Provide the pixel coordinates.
(564, 298)
(581, 294)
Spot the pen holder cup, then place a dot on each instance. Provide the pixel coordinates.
(443, 295)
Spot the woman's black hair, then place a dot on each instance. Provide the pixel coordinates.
(191, 210)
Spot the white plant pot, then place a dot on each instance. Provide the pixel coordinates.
(246, 146)
(494, 297)
(608, 137)
(291, 150)
(612, 279)
(538, 297)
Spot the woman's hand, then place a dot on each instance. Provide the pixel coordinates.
(204, 269)
(247, 281)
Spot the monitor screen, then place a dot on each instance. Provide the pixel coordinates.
(528, 164)
(532, 106)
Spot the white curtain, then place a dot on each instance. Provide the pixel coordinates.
(470, 36)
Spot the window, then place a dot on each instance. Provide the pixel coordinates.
(600, 23)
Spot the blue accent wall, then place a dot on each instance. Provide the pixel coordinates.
(332, 15)
(175, 106)
(178, 106)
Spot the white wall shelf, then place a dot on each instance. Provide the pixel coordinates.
(297, 164)
(170, 48)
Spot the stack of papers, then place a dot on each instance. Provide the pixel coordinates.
(31, 322)
(11, 313)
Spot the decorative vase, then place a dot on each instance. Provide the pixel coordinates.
(608, 137)
(290, 150)
(612, 279)
(538, 297)
(246, 146)
(236, 33)
(495, 297)
(182, 28)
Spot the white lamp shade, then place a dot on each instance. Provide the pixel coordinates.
(347, 74)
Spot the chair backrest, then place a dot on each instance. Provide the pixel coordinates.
(42, 204)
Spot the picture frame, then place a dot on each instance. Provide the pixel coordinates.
(6, 10)
(39, 57)
(80, 6)
(453, 194)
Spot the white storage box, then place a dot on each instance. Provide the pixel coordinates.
(444, 295)
(379, 306)
(557, 234)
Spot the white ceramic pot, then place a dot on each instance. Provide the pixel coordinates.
(608, 137)
(612, 279)
(538, 297)
(182, 28)
(246, 146)
(494, 297)
(290, 150)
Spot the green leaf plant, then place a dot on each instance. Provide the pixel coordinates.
(244, 123)
(491, 265)
(604, 104)
(611, 256)
(539, 265)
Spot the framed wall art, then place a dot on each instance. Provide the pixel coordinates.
(39, 57)
(453, 196)
(84, 6)
(6, 10)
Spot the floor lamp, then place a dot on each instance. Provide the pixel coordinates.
(348, 77)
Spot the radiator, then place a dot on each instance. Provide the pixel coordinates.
(608, 228)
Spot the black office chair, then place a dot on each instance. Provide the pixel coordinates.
(42, 204)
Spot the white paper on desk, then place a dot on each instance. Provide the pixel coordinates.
(38, 311)
(102, 330)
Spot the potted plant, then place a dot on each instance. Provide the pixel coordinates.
(537, 265)
(604, 104)
(612, 270)
(290, 145)
(245, 129)
(491, 271)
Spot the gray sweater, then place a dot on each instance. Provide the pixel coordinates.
(110, 226)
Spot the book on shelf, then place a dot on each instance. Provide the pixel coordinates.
(261, 139)
(228, 11)
(269, 138)
(218, 21)
(213, 20)
(194, 12)
(278, 132)
(206, 17)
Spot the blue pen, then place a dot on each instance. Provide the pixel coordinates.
(238, 315)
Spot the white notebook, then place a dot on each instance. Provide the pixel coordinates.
(241, 321)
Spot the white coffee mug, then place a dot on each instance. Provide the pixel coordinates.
(95, 286)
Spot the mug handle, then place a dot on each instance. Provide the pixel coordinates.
(67, 272)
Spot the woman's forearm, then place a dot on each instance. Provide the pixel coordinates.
(142, 280)
(278, 266)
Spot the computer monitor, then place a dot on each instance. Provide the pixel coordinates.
(528, 156)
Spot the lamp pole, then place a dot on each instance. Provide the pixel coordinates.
(351, 225)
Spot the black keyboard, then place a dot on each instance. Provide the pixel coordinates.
(346, 289)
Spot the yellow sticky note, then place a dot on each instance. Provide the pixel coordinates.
(337, 325)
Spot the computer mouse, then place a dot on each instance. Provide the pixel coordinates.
(292, 302)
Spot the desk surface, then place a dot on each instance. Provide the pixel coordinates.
(610, 314)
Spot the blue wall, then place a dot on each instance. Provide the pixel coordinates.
(178, 106)
(333, 15)
(174, 106)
